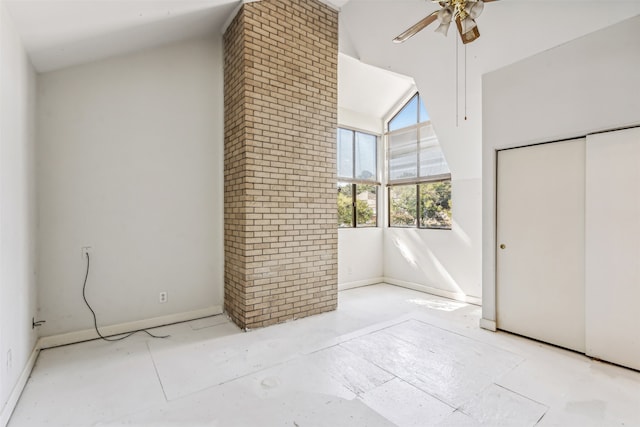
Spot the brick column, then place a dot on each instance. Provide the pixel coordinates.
(280, 161)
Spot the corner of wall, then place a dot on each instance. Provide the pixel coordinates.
(17, 215)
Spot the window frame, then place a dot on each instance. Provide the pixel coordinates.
(401, 109)
(353, 178)
(418, 179)
(417, 184)
(354, 205)
(355, 182)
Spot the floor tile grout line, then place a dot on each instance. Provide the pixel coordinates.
(339, 340)
(468, 337)
(510, 371)
(393, 374)
(541, 417)
(519, 362)
(473, 396)
(401, 378)
(429, 394)
(155, 367)
(523, 396)
(301, 355)
(364, 358)
(338, 379)
(411, 317)
(484, 389)
(297, 355)
(230, 380)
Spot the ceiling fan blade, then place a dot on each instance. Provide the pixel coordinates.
(420, 25)
(468, 36)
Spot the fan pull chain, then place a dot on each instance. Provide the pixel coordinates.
(457, 79)
(465, 82)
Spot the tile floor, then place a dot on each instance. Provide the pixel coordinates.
(388, 356)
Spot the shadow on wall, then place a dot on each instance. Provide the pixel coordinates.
(434, 258)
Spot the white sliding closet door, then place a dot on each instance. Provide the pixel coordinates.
(613, 247)
(540, 237)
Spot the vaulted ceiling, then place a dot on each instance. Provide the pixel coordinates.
(61, 33)
(65, 32)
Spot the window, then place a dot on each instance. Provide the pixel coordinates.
(358, 179)
(425, 205)
(362, 197)
(418, 175)
(403, 206)
(434, 207)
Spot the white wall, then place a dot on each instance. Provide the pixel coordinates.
(360, 257)
(431, 260)
(17, 210)
(130, 162)
(584, 86)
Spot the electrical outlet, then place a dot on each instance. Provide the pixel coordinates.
(163, 297)
(9, 360)
(86, 250)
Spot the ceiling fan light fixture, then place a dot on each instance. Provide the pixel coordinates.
(443, 28)
(445, 15)
(474, 8)
(468, 24)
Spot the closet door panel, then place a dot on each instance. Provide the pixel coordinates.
(612, 247)
(540, 237)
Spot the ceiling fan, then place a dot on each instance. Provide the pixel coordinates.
(463, 12)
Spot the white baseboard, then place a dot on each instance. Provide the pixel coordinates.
(457, 296)
(489, 325)
(17, 390)
(360, 283)
(90, 334)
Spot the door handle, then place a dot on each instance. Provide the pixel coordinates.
(503, 246)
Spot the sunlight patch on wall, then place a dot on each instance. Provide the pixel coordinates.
(405, 252)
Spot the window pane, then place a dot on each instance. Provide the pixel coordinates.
(432, 161)
(407, 116)
(345, 153)
(345, 205)
(366, 156)
(403, 161)
(424, 116)
(366, 205)
(435, 204)
(402, 206)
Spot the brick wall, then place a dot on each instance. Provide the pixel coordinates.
(280, 161)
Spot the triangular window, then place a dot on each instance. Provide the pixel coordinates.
(416, 166)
